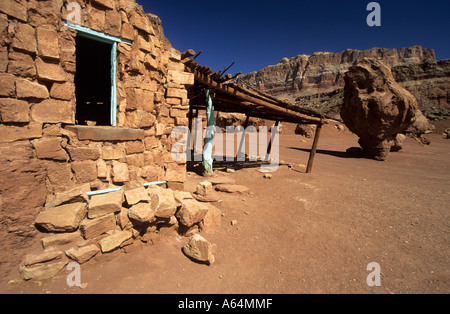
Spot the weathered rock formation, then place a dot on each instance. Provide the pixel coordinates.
(316, 82)
(324, 71)
(429, 82)
(375, 107)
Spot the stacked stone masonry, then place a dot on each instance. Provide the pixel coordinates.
(43, 151)
(78, 228)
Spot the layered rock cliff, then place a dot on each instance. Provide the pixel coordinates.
(429, 82)
(316, 82)
(324, 71)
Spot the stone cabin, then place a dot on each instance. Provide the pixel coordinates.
(90, 91)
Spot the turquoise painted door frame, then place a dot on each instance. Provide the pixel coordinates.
(108, 39)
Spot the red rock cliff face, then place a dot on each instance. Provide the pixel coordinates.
(324, 71)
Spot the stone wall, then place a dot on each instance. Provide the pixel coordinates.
(42, 150)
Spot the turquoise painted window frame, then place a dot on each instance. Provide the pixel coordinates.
(113, 41)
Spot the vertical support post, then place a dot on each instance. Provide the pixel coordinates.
(113, 84)
(269, 147)
(241, 143)
(314, 148)
(190, 150)
(209, 136)
(196, 128)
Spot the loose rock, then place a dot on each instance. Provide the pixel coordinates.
(398, 143)
(74, 195)
(180, 195)
(60, 239)
(204, 188)
(212, 222)
(41, 272)
(163, 201)
(191, 212)
(114, 241)
(207, 199)
(137, 195)
(64, 218)
(141, 212)
(102, 205)
(92, 228)
(83, 254)
(222, 180)
(48, 255)
(232, 188)
(199, 249)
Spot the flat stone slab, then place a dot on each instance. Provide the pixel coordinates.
(104, 204)
(135, 196)
(48, 255)
(41, 272)
(232, 188)
(77, 194)
(221, 180)
(114, 241)
(207, 199)
(92, 228)
(64, 218)
(104, 133)
(83, 254)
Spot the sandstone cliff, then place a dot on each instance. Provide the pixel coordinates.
(324, 71)
(316, 82)
(429, 82)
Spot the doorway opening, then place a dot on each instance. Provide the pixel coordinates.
(93, 82)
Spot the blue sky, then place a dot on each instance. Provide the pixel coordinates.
(255, 34)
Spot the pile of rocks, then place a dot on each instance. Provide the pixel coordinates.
(76, 227)
(205, 189)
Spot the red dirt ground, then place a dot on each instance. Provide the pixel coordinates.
(304, 233)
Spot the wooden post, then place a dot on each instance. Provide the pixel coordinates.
(314, 149)
(241, 143)
(190, 149)
(269, 147)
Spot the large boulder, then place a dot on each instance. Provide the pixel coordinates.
(375, 107)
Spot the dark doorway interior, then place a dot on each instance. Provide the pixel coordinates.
(93, 82)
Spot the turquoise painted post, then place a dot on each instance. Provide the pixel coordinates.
(113, 84)
(209, 136)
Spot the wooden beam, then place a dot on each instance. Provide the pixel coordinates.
(233, 91)
(187, 54)
(312, 154)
